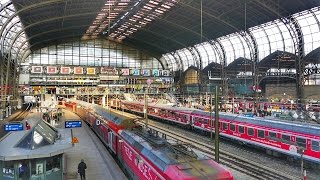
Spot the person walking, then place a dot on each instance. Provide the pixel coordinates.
(82, 169)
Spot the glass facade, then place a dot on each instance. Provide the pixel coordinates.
(10, 26)
(98, 52)
(269, 37)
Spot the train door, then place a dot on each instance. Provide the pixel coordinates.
(110, 140)
(188, 118)
(192, 120)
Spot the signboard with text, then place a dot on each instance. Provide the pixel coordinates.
(65, 70)
(51, 70)
(36, 69)
(78, 70)
(73, 124)
(13, 127)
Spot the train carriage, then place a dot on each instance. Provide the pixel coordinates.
(276, 136)
(143, 154)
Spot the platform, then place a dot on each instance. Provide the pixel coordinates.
(100, 164)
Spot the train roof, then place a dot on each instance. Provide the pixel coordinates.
(299, 127)
(158, 150)
(116, 118)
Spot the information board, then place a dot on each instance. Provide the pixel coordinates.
(73, 124)
(13, 127)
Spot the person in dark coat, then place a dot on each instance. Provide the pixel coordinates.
(82, 169)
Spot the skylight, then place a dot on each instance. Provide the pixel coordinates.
(120, 19)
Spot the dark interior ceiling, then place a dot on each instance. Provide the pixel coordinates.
(51, 21)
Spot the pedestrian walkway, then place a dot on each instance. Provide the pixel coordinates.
(100, 164)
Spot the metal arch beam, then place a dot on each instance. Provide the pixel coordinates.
(298, 39)
(193, 56)
(222, 56)
(161, 35)
(40, 4)
(181, 27)
(191, 49)
(200, 53)
(271, 9)
(7, 31)
(212, 16)
(234, 51)
(42, 33)
(177, 61)
(255, 53)
(315, 17)
(29, 26)
(181, 62)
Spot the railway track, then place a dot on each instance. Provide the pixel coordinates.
(237, 163)
(18, 117)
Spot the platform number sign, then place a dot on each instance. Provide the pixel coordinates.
(98, 122)
(73, 124)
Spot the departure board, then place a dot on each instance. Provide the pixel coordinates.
(73, 124)
(13, 127)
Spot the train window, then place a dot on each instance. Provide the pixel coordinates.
(205, 121)
(315, 146)
(285, 137)
(261, 133)
(250, 132)
(232, 127)
(273, 134)
(241, 129)
(225, 126)
(301, 142)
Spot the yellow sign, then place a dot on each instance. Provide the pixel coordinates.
(91, 70)
(75, 140)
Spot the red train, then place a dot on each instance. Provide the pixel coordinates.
(273, 135)
(145, 155)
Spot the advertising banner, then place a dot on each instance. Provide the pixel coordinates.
(36, 69)
(51, 70)
(65, 70)
(136, 72)
(125, 72)
(155, 72)
(146, 72)
(109, 71)
(165, 73)
(91, 71)
(78, 70)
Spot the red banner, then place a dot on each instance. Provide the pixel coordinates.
(65, 70)
(51, 69)
(78, 70)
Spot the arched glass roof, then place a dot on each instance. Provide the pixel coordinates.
(10, 25)
(269, 37)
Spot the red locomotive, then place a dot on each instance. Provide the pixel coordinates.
(273, 135)
(143, 154)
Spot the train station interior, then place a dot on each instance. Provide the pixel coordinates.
(159, 89)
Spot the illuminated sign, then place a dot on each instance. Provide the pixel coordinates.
(136, 72)
(13, 127)
(65, 70)
(155, 72)
(73, 124)
(36, 69)
(146, 72)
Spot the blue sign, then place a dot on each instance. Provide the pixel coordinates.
(73, 124)
(13, 127)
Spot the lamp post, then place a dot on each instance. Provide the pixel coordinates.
(301, 151)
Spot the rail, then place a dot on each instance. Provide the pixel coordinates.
(237, 163)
